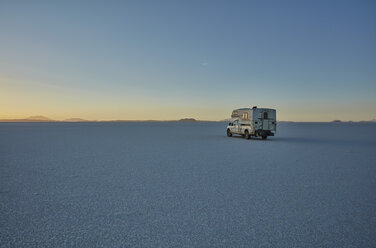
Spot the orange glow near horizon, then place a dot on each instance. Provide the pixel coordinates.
(19, 100)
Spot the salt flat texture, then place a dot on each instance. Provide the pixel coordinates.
(186, 185)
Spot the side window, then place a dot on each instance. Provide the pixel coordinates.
(245, 116)
(265, 115)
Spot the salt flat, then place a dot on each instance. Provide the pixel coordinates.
(186, 185)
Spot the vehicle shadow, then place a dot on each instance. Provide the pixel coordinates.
(251, 138)
(297, 139)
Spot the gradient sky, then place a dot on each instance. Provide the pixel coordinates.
(101, 60)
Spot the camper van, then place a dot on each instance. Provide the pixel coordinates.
(256, 122)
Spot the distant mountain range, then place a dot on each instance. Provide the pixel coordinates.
(370, 121)
(40, 118)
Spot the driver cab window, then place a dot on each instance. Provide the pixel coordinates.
(235, 123)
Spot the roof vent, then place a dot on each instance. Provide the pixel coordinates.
(254, 107)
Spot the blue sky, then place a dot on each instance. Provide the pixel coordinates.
(311, 60)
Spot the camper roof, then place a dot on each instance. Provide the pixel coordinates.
(233, 119)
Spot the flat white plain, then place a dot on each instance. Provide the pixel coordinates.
(186, 185)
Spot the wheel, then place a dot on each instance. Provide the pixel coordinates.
(264, 137)
(246, 134)
(229, 134)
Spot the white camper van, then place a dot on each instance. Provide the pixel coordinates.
(257, 122)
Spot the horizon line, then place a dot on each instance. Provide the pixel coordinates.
(185, 120)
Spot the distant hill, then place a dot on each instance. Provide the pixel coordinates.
(187, 120)
(226, 120)
(75, 120)
(370, 121)
(38, 118)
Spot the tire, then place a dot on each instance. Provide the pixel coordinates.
(264, 137)
(246, 134)
(229, 134)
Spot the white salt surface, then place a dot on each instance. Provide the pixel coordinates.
(186, 185)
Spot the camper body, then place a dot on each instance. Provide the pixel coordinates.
(257, 122)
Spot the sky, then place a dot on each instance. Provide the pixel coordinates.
(166, 60)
